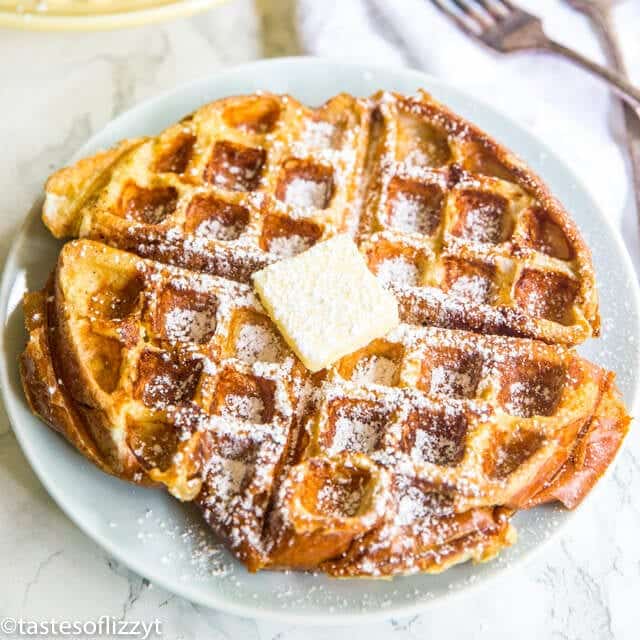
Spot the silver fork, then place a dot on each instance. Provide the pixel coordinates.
(506, 28)
(599, 12)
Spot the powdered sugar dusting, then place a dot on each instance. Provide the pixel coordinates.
(472, 287)
(256, 343)
(193, 549)
(215, 228)
(289, 246)
(483, 223)
(448, 381)
(409, 214)
(309, 194)
(411, 507)
(398, 271)
(435, 446)
(318, 134)
(376, 370)
(227, 477)
(356, 429)
(189, 325)
(339, 500)
(528, 398)
(242, 407)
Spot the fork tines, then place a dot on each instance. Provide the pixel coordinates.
(474, 16)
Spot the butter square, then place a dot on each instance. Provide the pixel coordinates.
(326, 302)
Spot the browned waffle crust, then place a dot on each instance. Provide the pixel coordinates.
(408, 455)
(464, 233)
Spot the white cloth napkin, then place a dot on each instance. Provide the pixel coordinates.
(573, 113)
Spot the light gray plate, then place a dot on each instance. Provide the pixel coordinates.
(163, 540)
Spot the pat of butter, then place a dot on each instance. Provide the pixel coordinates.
(326, 302)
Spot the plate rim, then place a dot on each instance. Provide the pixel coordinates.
(245, 609)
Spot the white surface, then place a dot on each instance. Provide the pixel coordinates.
(55, 91)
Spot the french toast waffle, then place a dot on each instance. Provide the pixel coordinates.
(149, 350)
(463, 232)
(408, 455)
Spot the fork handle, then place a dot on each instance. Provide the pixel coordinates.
(602, 19)
(628, 92)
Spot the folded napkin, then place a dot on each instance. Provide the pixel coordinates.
(563, 106)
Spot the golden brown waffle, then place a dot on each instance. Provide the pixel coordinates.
(464, 234)
(160, 365)
(408, 455)
(240, 183)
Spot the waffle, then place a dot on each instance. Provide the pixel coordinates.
(408, 455)
(465, 234)
(149, 351)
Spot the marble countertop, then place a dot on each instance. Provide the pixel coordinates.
(55, 91)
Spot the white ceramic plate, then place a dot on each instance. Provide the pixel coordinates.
(163, 540)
